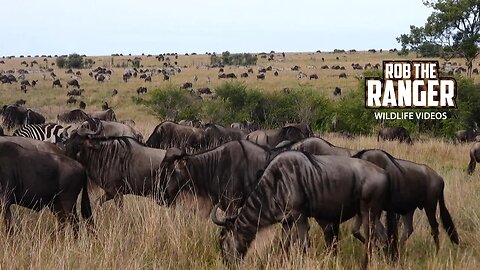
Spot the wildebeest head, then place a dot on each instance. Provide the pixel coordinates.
(231, 252)
(178, 173)
(79, 142)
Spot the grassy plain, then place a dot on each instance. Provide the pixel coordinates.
(147, 236)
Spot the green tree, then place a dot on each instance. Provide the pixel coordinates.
(74, 61)
(453, 26)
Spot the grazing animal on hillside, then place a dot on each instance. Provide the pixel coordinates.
(273, 137)
(394, 133)
(342, 75)
(73, 83)
(36, 180)
(296, 186)
(119, 165)
(52, 133)
(75, 92)
(105, 106)
(204, 90)
(169, 134)
(82, 105)
(56, 83)
(412, 186)
(474, 157)
(71, 100)
(114, 92)
(261, 76)
(337, 91)
(107, 115)
(313, 77)
(466, 135)
(141, 90)
(73, 116)
(225, 175)
(16, 115)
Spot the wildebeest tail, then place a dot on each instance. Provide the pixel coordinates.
(447, 221)
(86, 209)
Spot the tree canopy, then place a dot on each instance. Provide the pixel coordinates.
(453, 29)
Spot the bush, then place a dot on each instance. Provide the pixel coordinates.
(72, 61)
(237, 59)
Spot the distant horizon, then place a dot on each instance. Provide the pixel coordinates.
(99, 28)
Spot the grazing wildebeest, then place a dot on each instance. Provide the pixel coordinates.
(272, 137)
(313, 77)
(244, 75)
(342, 75)
(111, 129)
(34, 83)
(20, 102)
(216, 134)
(148, 78)
(114, 92)
(191, 123)
(71, 100)
(119, 165)
(16, 115)
(141, 90)
(25, 82)
(317, 146)
(36, 180)
(261, 76)
(105, 106)
(186, 85)
(394, 133)
(204, 90)
(303, 127)
(337, 91)
(73, 83)
(412, 186)
(82, 105)
(225, 175)
(106, 115)
(32, 144)
(100, 77)
(296, 186)
(466, 135)
(57, 83)
(169, 134)
(73, 116)
(474, 157)
(166, 77)
(75, 92)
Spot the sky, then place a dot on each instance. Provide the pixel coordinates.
(103, 27)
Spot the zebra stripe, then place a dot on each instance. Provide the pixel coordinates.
(43, 132)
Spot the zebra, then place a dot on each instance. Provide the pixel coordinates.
(51, 132)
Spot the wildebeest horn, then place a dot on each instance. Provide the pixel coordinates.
(225, 221)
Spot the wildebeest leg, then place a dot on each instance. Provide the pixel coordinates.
(356, 229)
(331, 232)
(472, 164)
(430, 210)
(301, 236)
(407, 221)
(392, 233)
(66, 211)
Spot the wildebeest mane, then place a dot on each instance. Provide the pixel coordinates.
(390, 157)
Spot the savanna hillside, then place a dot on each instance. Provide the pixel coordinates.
(145, 235)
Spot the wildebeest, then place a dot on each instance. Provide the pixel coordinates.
(105, 106)
(303, 127)
(313, 77)
(36, 180)
(114, 92)
(216, 134)
(75, 92)
(224, 175)
(244, 75)
(73, 83)
(296, 186)
(119, 165)
(186, 85)
(57, 83)
(169, 134)
(318, 146)
(394, 133)
(474, 157)
(141, 90)
(342, 75)
(100, 77)
(413, 186)
(32, 144)
(111, 129)
(261, 76)
(82, 105)
(466, 135)
(191, 123)
(106, 115)
(272, 137)
(71, 100)
(73, 116)
(337, 91)
(15, 115)
(204, 90)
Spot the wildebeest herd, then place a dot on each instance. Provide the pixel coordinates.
(257, 177)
